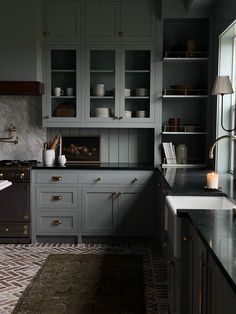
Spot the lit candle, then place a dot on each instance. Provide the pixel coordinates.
(212, 180)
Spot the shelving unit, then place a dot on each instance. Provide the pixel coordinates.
(183, 67)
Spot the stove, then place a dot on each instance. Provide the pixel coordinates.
(16, 170)
(15, 201)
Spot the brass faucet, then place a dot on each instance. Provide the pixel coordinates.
(232, 137)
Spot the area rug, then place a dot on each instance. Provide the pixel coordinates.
(86, 284)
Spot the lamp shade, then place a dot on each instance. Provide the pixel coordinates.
(222, 85)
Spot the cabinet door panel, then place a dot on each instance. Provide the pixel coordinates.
(101, 20)
(137, 21)
(98, 211)
(135, 214)
(63, 21)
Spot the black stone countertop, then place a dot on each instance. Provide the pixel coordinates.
(217, 228)
(99, 166)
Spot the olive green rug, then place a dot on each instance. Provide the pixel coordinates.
(84, 284)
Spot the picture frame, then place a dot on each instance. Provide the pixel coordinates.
(81, 149)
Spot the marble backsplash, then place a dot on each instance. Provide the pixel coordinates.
(24, 112)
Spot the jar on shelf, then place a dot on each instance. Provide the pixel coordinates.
(181, 154)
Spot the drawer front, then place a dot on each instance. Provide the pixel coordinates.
(14, 229)
(56, 197)
(56, 177)
(49, 222)
(116, 177)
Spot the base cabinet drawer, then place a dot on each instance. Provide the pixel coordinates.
(55, 177)
(56, 197)
(117, 177)
(49, 222)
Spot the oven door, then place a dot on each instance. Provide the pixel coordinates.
(15, 203)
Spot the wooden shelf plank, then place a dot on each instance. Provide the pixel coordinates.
(21, 88)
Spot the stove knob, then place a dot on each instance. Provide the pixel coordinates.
(22, 175)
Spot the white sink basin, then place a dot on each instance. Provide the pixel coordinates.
(199, 202)
(173, 223)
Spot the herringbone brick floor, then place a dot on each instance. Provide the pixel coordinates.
(19, 264)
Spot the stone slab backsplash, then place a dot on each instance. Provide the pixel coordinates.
(25, 113)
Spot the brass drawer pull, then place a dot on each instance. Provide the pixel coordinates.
(56, 222)
(56, 197)
(135, 180)
(56, 178)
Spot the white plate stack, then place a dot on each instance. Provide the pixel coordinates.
(102, 112)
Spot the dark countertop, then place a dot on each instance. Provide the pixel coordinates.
(187, 181)
(217, 228)
(99, 166)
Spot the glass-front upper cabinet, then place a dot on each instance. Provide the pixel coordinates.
(102, 85)
(136, 85)
(63, 102)
(120, 85)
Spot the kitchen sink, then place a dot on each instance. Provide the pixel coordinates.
(173, 223)
(199, 202)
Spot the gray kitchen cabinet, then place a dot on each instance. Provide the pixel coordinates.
(99, 211)
(55, 205)
(63, 21)
(127, 75)
(63, 69)
(120, 21)
(137, 215)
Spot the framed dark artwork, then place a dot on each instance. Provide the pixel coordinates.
(81, 149)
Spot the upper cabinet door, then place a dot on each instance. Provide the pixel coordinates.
(63, 21)
(116, 21)
(137, 21)
(101, 21)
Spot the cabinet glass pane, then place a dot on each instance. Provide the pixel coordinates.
(102, 83)
(63, 83)
(137, 84)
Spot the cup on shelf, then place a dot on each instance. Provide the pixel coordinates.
(49, 157)
(127, 92)
(100, 90)
(128, 114)
(141, 114)
(57, 91)
(69, 91)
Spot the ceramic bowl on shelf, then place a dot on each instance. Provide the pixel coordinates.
(102, 112)
(141, 114)
(141, 92)
(128, 114)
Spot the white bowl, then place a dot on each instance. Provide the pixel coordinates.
(141, 92)
(102, 112)
(140, 114)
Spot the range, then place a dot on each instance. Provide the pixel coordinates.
(15, 201)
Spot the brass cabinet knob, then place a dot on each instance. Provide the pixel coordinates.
(56, 197)
(121, 117)
(56, 222)
(46, 117)
(121, 34)
(135, 179)
(99, 179)
(56, 178)
(115, 118)
(114, 193)
(6, 229)
(46, 33)
(1, 175)
(119, 193)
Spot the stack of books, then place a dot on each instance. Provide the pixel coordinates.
(169, 151)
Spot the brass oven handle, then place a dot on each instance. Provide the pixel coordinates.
(57, 178)
(56, 197)
(56, 222)
(202, 264)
